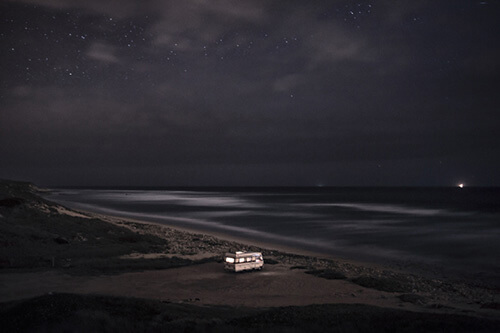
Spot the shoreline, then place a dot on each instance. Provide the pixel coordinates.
(220, 235)
(418, 268)
(399, 244)
(408, 266)
(267, 244)
(51, 251)
(283, 278)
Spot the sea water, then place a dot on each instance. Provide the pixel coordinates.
(455, 230)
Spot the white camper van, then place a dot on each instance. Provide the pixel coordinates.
(243, 261)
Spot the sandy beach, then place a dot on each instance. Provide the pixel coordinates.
(48, 251)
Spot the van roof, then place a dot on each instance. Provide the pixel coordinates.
(242, 254)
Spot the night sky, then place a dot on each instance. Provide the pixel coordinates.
(239, 93)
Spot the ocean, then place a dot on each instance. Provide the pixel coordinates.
(447, 230)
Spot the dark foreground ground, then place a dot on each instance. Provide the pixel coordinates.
(87, 313)
(45, 246)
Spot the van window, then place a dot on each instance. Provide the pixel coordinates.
(229, 260)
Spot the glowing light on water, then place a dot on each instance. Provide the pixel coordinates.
(461, 185)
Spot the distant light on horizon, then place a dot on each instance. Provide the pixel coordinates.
(461, 185)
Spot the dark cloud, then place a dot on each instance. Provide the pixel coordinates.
(249, 92)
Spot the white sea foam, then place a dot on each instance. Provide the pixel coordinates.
(360, 224)
(383, 208)
(200, 199)
(221, 213)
